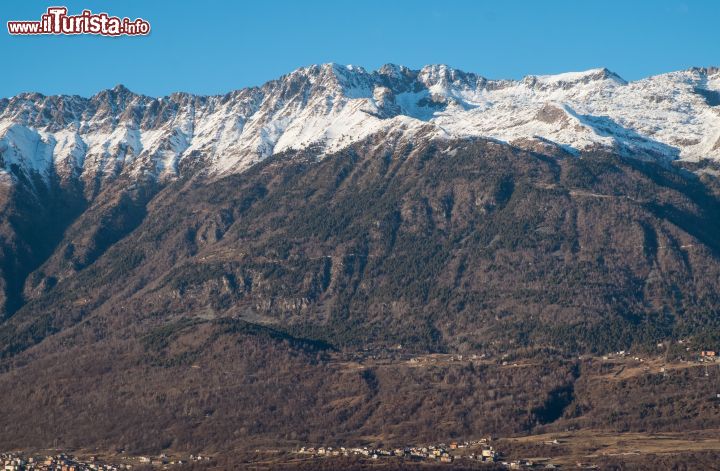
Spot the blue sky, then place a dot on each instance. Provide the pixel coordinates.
(211, 47)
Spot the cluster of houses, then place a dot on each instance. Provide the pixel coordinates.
(703, 356)
(709, 355)
(65, 462)
(526, 464)
(164, 460)
(440, 453)
(60, 462)
(477, 450)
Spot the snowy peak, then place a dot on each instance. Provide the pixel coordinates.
(395, 72)
(572, 79)
(329, 106)
(706, 71)
(444, 76)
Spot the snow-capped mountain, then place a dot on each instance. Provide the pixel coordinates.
(670, 116)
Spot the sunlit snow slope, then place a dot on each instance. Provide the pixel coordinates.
(670, 116)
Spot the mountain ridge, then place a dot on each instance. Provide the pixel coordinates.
(664, 117)
(101, 167)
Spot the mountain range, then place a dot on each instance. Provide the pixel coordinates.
(179, 256)
(665, 117)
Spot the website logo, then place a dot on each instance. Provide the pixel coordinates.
(57, 21)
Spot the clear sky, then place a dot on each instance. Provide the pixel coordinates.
(210, 47)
